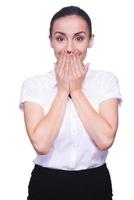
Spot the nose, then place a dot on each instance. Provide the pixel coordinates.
(69, 47)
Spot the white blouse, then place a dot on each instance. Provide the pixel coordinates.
(73, 149)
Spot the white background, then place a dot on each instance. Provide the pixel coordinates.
(25, 52)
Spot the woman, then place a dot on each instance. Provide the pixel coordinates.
(71, 116)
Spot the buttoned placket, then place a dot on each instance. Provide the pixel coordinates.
(74, 147)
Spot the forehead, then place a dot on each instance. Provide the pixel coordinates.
(70, 24)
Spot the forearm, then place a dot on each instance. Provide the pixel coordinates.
(96, 126)
(48, 128)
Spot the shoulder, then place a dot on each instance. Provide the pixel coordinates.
(40, 80)
(101, 78)
(37, 89)
(106, 85)
(101, 75)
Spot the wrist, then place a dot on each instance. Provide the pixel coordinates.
(76, 92)
(62, 93)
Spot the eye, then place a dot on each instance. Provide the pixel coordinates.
(79, 38)
(59, 39)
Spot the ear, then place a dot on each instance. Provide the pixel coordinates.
(91, 41)
(51, 43)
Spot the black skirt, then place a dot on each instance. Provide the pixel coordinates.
(55, 184)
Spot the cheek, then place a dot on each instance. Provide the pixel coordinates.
(82, 47)
(57, 50)
(83, 51)
(83, 55)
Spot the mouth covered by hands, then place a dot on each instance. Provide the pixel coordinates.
(70, 72)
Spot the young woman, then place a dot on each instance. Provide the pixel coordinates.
(71, 116)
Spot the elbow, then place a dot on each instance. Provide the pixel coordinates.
(41, 149)
(41, 146)
(105, 144)
(107, 139)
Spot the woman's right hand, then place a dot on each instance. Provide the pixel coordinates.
(61, 70)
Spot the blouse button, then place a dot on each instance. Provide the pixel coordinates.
(74, 146)
(74, 133)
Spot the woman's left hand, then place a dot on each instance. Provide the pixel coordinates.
(77, 71)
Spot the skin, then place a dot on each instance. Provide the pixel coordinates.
(70, 47)
(70, 41)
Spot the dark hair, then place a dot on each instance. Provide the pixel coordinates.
(71, 10)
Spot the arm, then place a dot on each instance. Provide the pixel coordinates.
(42, 130)
(100, 126)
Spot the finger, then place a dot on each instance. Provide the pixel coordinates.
(61, 64)
(86, 67)
(59, 61)
(60, 57)
(79, 63)
(73, 73)
(66, 68)
(76, 66)
(68, 64)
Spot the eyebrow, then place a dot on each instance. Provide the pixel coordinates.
(81, 32)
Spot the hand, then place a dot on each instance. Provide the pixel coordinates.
(61, 70)
(77, 71)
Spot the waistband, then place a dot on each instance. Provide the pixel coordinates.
(96, 170)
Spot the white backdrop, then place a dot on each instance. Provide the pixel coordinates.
(25, 52)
